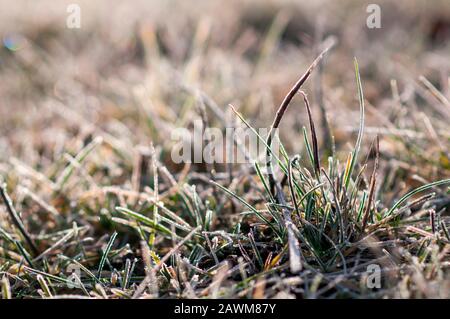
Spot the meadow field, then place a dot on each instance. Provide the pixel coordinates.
(347, 195)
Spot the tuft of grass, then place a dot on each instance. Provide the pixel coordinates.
(93, 205)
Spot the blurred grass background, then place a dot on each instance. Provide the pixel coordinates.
(133, 71)
(126, 55)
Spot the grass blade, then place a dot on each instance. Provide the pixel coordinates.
(16, 219)
(105, 254)
(355, 152)
(145, 220)
(414, 192)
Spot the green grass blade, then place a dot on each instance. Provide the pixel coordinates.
(260, 216)
(361, 126)
(414, 192)
(105, 254)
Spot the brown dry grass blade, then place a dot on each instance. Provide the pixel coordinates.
(295, 262)
(373, 179)
(16, 219)
(313, 135)
(282, 109)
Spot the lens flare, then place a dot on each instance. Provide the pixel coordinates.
(14, 42)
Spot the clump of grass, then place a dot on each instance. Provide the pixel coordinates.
(93, 214)
(317, 224)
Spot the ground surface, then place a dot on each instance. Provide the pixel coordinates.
(99, 209)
